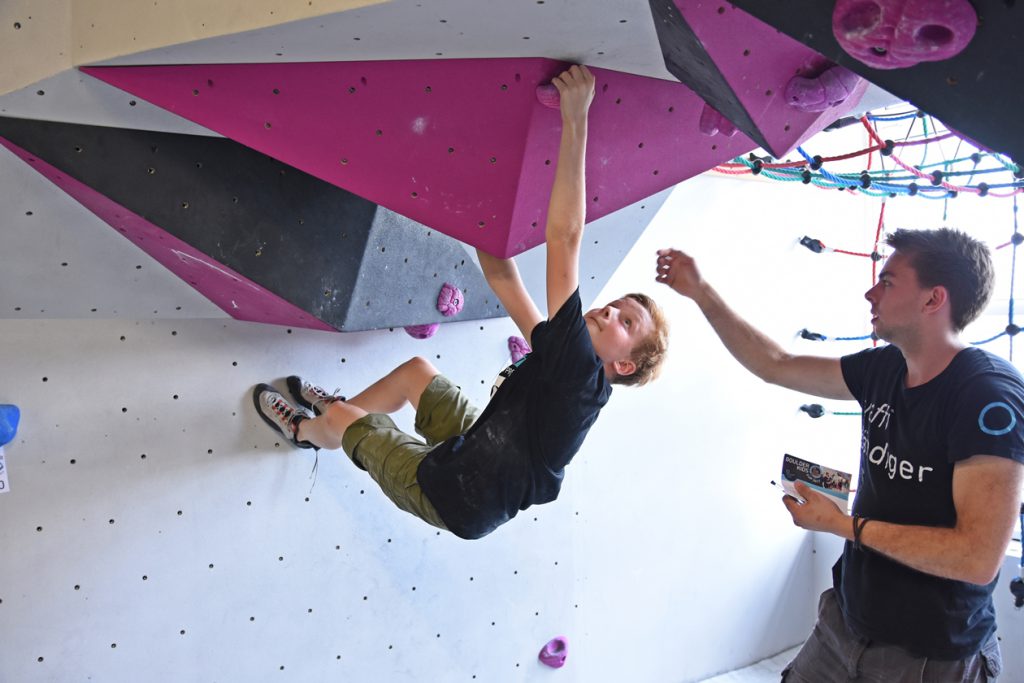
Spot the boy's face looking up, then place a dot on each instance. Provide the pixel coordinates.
(615, 330)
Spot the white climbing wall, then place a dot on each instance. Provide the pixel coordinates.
(156, 530)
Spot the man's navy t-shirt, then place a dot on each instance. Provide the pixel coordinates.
(911, 440)
(515, 453)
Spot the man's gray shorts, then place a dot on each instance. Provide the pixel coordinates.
(834, 654)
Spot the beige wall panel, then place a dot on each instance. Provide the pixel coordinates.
(103, 29)
(34, 41)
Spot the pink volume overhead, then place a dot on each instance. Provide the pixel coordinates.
(758, 62)
(235, 294)
(462, 146)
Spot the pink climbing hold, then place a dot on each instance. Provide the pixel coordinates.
(829, 89)
(450, 300)
(518, 348)
(548, 96)
(894, 34)
(422, 331)
(713, 123)
(554, 652)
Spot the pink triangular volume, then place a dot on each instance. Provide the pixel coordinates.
(235, 294)
(462, 146)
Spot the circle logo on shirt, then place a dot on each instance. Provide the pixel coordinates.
(1001, 414)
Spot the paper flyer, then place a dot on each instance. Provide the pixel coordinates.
(4, 487)
(832, 483)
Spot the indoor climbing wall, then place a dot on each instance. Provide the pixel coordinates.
(259, 179)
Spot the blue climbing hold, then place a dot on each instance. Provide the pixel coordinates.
(9, 417)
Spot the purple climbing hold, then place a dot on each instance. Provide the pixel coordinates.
(548, 96)
(518, 348)
(713, 123)
(554, 652)
(893, 34)
(449, 301)
(828, 89)
(422, 331)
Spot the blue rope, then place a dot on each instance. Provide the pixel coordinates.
(990, 339)
(892, 117)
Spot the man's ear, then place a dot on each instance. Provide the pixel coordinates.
(624, 367)
(938, 296)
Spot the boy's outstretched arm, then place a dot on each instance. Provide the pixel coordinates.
(503, 277)
(568, 206)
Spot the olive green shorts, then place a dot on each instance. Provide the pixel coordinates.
(392, 457)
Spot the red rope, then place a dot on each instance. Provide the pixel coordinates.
(914, 171)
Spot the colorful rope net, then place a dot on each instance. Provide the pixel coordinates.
(936, 180)
(901, 179)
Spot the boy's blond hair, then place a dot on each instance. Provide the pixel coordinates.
(650, 352)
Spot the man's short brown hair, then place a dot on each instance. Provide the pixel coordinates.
(649, 353)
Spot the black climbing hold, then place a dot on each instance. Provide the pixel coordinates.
(816, 162)
(1017, 239)
(912, 189)
(812, 336)
(1012, 330)
(865, 179)
(805, 177)
(814, 245)
(813, 409)
(888, 149)
(757, 167)
(936, 177)
(976, 158)
(982, 189)
(875, 256)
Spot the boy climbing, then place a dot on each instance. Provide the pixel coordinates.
(477, 469)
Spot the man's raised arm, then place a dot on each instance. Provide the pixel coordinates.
(756, 352)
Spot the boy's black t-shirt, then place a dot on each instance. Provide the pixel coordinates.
(912, 438)
(515, 454)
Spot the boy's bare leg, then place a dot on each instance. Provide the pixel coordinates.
(406, 383)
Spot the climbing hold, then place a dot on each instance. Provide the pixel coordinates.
(894, 34)
(828, 89)
(548, 96)
(518, 348)
(812, 336)
(422, 331)
(10, 415)
(813, 409)
(815, 245)
(713, 123)
(450, 300)
(554, 652)
(887, 150)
